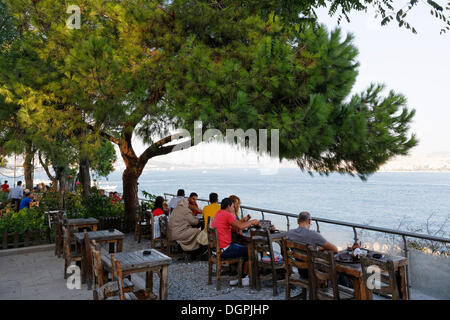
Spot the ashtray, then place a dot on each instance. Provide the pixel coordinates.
(147, 252)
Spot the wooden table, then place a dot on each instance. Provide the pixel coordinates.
(354, 272)
(83, 223)
(114, 238)
(135, 262)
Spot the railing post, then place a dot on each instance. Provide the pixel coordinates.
(242, 212)
(355, 235)
(405, 243)
(288, 225)
(262, 214)
(317, 225)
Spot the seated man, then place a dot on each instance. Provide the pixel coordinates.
(224, 221)
(303, 234)
(25, 202)
(193, 204)
(181, 225)
(210, 210)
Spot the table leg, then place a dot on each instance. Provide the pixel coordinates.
(164, 283)
(149, 281)
(83, 263)
(403, 289)
(251, 268)
(359, 288)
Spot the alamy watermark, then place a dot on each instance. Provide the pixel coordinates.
(74, 278)
(74, 21)
(251, 139)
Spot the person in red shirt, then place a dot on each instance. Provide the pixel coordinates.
(224, 221)
(158, 208)
(193, 204)
(5, 187)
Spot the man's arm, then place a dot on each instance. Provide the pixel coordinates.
(330, 246)
(244, 225)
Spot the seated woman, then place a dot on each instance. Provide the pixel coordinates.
(181, 225)
(237, 205)
(158, 206)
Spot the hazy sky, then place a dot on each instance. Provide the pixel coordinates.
(417, 65)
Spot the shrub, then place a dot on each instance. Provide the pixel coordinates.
(26, 219)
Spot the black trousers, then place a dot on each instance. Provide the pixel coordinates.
(16, 203)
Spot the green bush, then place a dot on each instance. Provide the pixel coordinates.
(3, 197)
(26, 219)
(49, 201)
(95, 205)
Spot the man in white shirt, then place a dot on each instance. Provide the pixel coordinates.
(15, 195)
(174, 201)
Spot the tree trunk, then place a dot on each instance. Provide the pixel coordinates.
(28, 167)
(62, 186)
(85, 177)
(130, 179)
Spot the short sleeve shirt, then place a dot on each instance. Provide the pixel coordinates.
(157, 212)
(303, 235)
(25, 203)
(222, 222)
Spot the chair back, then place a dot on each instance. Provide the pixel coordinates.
(97, 269)
(323, 269)
(164, 227)
(262, 244)
(67, 239)
(213, 242)
(209, 221)
(116, 275)
(87, 245)
(379, 277)
(295, 255)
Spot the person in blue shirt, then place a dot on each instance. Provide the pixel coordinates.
(25, 202)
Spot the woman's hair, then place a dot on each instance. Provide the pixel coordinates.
(158, 203)
(234, 198)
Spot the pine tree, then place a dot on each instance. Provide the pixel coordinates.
(141, 67)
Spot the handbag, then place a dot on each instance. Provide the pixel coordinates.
(202, 238)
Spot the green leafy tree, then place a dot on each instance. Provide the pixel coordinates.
(141, 67)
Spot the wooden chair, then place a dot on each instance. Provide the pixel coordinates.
(166, 242)
(59, 236)
(69, 255)
(387, 281)
(214, 254)
(262, 245)
(143, 226)
(99, 276)
(323, 269)
(296, 255)
(114, 290)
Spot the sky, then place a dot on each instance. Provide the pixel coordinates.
(416, 65)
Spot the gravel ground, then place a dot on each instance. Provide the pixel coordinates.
(189, 281)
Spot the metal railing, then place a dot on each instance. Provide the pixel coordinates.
(354, 226)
